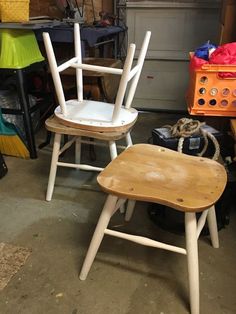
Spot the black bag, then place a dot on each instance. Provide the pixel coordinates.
(192, 145)
(3, 167)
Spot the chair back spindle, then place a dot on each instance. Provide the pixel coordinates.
(55, 73)
(140, 62)
(78, 55)
(123, 82)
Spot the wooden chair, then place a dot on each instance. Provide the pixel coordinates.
(155, 174)
(93, 116)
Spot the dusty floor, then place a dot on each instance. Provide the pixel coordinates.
(125, 278)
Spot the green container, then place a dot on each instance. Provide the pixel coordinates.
(19, 49)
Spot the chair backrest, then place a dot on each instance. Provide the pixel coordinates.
(128, 74)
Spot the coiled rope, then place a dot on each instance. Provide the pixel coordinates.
(186, 127)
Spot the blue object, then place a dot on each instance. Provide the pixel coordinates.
(203, 51)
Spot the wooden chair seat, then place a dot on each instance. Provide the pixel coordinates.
(148, 173)
(53, 125)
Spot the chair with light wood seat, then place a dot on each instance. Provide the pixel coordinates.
(89, 115)
(151, 173)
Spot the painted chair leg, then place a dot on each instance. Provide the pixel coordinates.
(192, 260)
(108, 210)
(53, 169)
(113, 154)
(129, 210)
(78, 150)
(131, 204)
(212, 225)
(128, 139)
(113, 149)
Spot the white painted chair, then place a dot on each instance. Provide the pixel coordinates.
(155, 174)
(90, 116)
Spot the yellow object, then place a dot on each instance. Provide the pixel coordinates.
(19, 49)
(14, 11)
(210, 95)
(11, 142)
(12, 145)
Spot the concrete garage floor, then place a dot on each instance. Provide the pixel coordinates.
(125, 278)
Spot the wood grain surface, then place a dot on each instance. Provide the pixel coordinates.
(155, 174)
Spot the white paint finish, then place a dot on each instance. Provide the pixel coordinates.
(62, 67)
(53, 169)
(67, 145)
(108, 210)
(78, 55)
(95, 68)
(123, 82)
(84, 113)
(120, 203)
(112, 204)
(128, 140)
(79, 166)
(133, 72)
(54, 72)
(113, 149)
(145, 241)
(201, 222)
(140, 62)
(212, 225)
(192, 261)
(129, 210)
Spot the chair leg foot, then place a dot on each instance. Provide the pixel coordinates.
(107, 212)
(212, 225)
(53, 169)
(129, 210)
(192, 260)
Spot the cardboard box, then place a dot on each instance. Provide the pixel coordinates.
(107, 6)
(228, 22)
